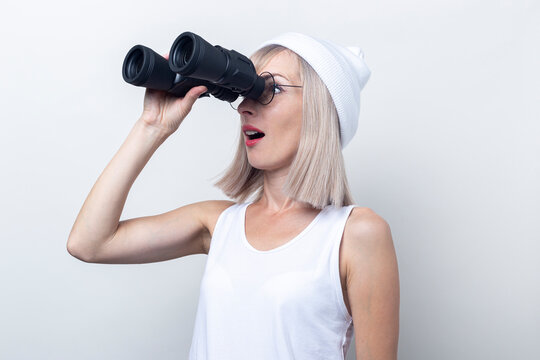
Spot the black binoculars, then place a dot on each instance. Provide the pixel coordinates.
(193, 61)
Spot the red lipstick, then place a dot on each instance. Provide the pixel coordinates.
(250, 128)
(252, 141)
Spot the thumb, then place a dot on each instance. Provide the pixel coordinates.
(191, 96)
(194, 93)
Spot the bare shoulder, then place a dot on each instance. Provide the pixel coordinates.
(372, 282)
(366, 233)
(210, 211)
(364, 220)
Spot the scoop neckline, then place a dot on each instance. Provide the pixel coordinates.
(283, 246)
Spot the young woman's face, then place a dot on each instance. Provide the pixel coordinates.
(280, 121)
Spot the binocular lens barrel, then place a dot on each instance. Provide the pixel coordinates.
(183, 52)
(193, 56)
(144, 67)
(134, 64)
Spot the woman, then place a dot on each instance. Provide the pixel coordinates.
(294, 273)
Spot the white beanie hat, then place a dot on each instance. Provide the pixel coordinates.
(342, 70)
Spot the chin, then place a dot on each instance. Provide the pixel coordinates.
(269, 166)
(263, 160)
(259, 166)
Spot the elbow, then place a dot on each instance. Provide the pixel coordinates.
(76, 252)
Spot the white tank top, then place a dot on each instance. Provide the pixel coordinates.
(284, 303)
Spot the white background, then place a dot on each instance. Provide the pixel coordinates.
(447, 151)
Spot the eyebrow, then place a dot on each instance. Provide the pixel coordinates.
(278, 74)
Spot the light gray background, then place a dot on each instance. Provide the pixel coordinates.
(447, 151)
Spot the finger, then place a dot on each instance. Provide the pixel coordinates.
(191, 96)
(194, 93)
(166, 56)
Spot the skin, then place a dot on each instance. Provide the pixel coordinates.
(368, 263)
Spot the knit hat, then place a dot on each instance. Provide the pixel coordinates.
(342, 70)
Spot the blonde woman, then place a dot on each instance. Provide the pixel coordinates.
(295, 272)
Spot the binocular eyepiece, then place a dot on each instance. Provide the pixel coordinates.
(193, 61)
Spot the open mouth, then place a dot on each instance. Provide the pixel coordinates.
(252, 135)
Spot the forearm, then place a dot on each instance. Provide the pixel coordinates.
(100, 214)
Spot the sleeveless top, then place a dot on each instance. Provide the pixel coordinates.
(284, 303)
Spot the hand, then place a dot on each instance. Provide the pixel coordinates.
(166, 112)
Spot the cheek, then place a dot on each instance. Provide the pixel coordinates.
(288, 125)
(295, 120)
(292, 130)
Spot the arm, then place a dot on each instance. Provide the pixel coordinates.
(174, 234)
(373, 287)
(99, 216)
(97, 226)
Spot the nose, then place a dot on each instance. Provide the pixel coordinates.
(247, 107)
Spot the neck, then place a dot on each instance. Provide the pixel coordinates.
(273, 198)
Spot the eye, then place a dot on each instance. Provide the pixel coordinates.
(277, 89)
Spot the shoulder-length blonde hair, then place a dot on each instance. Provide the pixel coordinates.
(317, 174)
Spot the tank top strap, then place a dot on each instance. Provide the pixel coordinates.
(341, 217)
(225, 228)
(338, 216)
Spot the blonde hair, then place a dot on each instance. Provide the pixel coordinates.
(317, 175)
